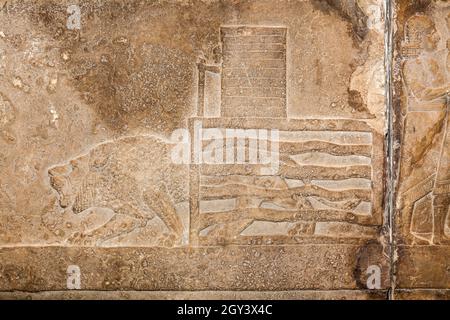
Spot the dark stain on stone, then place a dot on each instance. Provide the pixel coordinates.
(142, 78)
(348, 10)
(415, 6)
(371, 253)
(356, 102)
(133, 62)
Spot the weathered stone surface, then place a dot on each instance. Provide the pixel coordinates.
(199, 295)
(215, 268)
(423, 267)
(237, 148)
(424, 294)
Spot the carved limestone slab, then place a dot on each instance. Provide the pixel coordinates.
(232, 148)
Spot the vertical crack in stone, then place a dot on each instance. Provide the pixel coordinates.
(389, 142)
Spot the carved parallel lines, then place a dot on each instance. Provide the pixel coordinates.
(327, 180)
(290, 125)
(258, 55)
(250, 47)
(245, 91)
(355, 183)
(323, 146)
(337, 137)
(281, 216)
(85, 195)
(326, 173)
(254, 72)
(279, 82)
(238, 190)
(254, 39)
(254, 58)
(333, 139)
(293, 172)
(278, 183)
(325, 159)
(324, 176)
(272, 182)
(243, 100)
(252, 63)
(261, 102)
(233, 31)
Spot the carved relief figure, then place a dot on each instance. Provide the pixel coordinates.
(425, 72)
(129, 176)
(427, 85)
(441, 190)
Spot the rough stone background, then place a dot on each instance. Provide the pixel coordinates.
(86, 177)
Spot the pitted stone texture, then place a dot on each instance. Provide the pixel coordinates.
(203, 295)
(217, 268)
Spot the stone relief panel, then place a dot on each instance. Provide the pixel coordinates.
(238, 66)
(171, 137)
